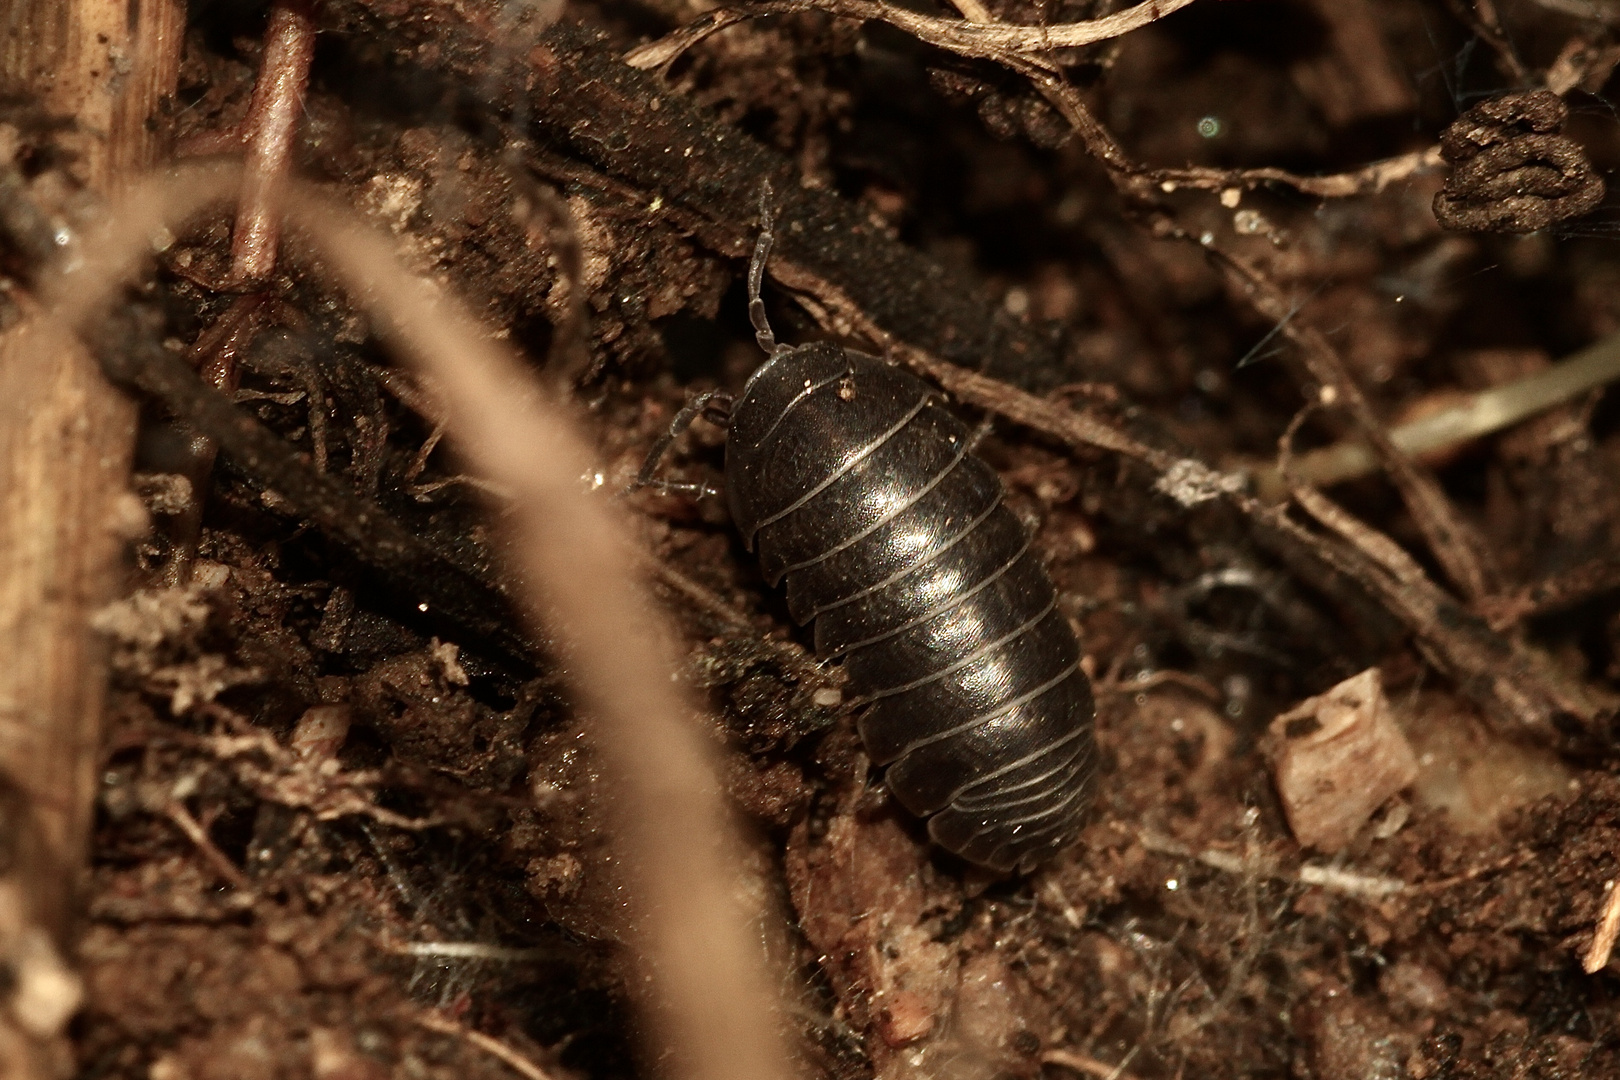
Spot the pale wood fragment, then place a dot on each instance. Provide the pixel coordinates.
(1337, 757)
(65, 444)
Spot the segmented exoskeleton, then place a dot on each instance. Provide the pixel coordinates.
(859, 488)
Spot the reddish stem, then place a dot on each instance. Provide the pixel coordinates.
(278, 102)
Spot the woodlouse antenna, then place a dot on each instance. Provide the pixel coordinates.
(756, 274)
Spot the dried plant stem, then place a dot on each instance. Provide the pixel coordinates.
(1332, 878)
(1367, 180)
(229, 871)
(1559, 591)
(66, 439)
(1480, 17)
(582, 582)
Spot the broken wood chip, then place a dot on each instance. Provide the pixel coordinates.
(1336, 758)
(1608, 927)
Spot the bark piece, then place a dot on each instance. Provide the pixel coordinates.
(1336, 758)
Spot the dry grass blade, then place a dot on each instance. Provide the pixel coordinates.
(990, 40)
(1481, 414)
(582, 581)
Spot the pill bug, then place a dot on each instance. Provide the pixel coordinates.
(858, 488)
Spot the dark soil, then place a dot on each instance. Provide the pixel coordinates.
(369, 778)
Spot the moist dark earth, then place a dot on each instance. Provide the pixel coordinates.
(373, 777)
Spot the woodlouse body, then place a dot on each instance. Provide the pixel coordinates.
(858, 487)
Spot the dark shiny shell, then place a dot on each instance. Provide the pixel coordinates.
(855, 484)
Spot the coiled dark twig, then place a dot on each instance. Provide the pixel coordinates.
(1512, 170)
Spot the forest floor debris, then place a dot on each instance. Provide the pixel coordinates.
(351, 823)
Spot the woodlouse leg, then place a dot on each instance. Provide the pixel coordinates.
(714, 405)
(981, 432)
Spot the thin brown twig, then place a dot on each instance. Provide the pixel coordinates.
(1560, 591)
(216, 858)
(1370, 179)
(988, 40)
(216, 355)
(487, 1043)
(1451, 540)
(1084, 1063)
(420, 401)
(1390, 555)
